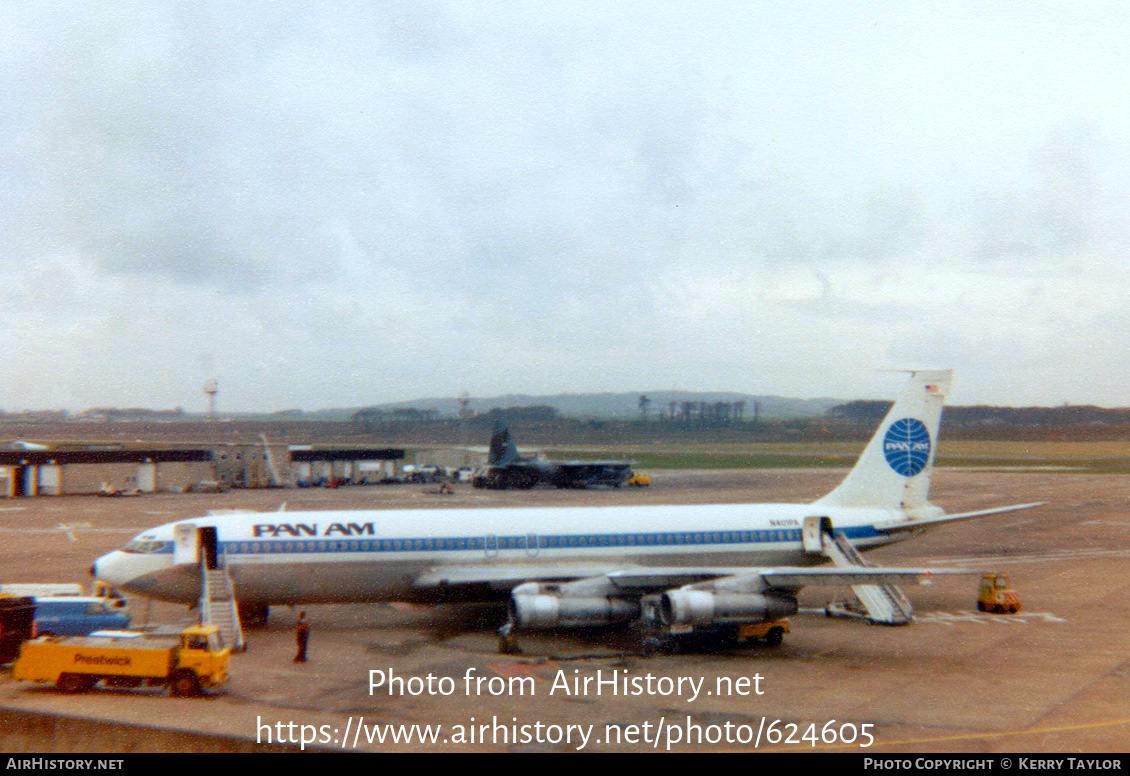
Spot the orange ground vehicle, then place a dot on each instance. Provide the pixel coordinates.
(997, 595)
(186, 662)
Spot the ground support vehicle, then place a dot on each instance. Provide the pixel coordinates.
(186, 663)
(78, 615)
(44, 589)
(709, 638)
(997, 596)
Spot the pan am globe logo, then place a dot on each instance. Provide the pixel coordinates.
(906, 446)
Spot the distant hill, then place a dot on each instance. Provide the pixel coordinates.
(608, 406)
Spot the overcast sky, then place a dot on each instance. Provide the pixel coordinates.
(342, 204)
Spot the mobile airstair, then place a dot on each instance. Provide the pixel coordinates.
(881, 604)
(218, 605)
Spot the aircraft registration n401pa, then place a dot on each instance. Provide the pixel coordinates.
(559, 567)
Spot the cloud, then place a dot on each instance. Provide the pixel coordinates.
(351, 204)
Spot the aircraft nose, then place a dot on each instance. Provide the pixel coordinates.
(94, 571)
(108, 569)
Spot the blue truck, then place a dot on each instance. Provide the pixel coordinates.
(79, 615)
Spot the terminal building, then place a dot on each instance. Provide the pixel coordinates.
(314, 466)
(91, 471)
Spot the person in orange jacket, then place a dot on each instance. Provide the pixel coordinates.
(302, 637)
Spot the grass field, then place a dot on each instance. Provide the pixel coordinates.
(1093, 457)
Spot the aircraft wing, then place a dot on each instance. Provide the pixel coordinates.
(913, 525)
(647, 579)
(502, 577)
(629, 578)
(581, 473)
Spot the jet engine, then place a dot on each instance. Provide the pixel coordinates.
(536, 605)
(689, 606)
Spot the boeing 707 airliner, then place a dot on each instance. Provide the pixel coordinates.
(570, 566)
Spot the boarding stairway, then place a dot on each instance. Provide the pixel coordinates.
(218, 605)
(276, 480)
(881, 604)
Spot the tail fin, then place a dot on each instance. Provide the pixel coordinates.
(894, 470)
(502, 447)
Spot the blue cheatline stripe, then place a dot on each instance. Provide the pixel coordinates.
(509, 542)
(502, 543)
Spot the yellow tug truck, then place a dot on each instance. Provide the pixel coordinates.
(186, 662)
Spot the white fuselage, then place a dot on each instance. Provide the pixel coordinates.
(357, 556)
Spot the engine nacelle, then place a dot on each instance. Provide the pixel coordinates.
(535, 606)
(706, 607)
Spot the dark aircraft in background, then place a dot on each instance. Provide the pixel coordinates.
(506, 469)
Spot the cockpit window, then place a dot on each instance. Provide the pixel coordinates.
(147, 547)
